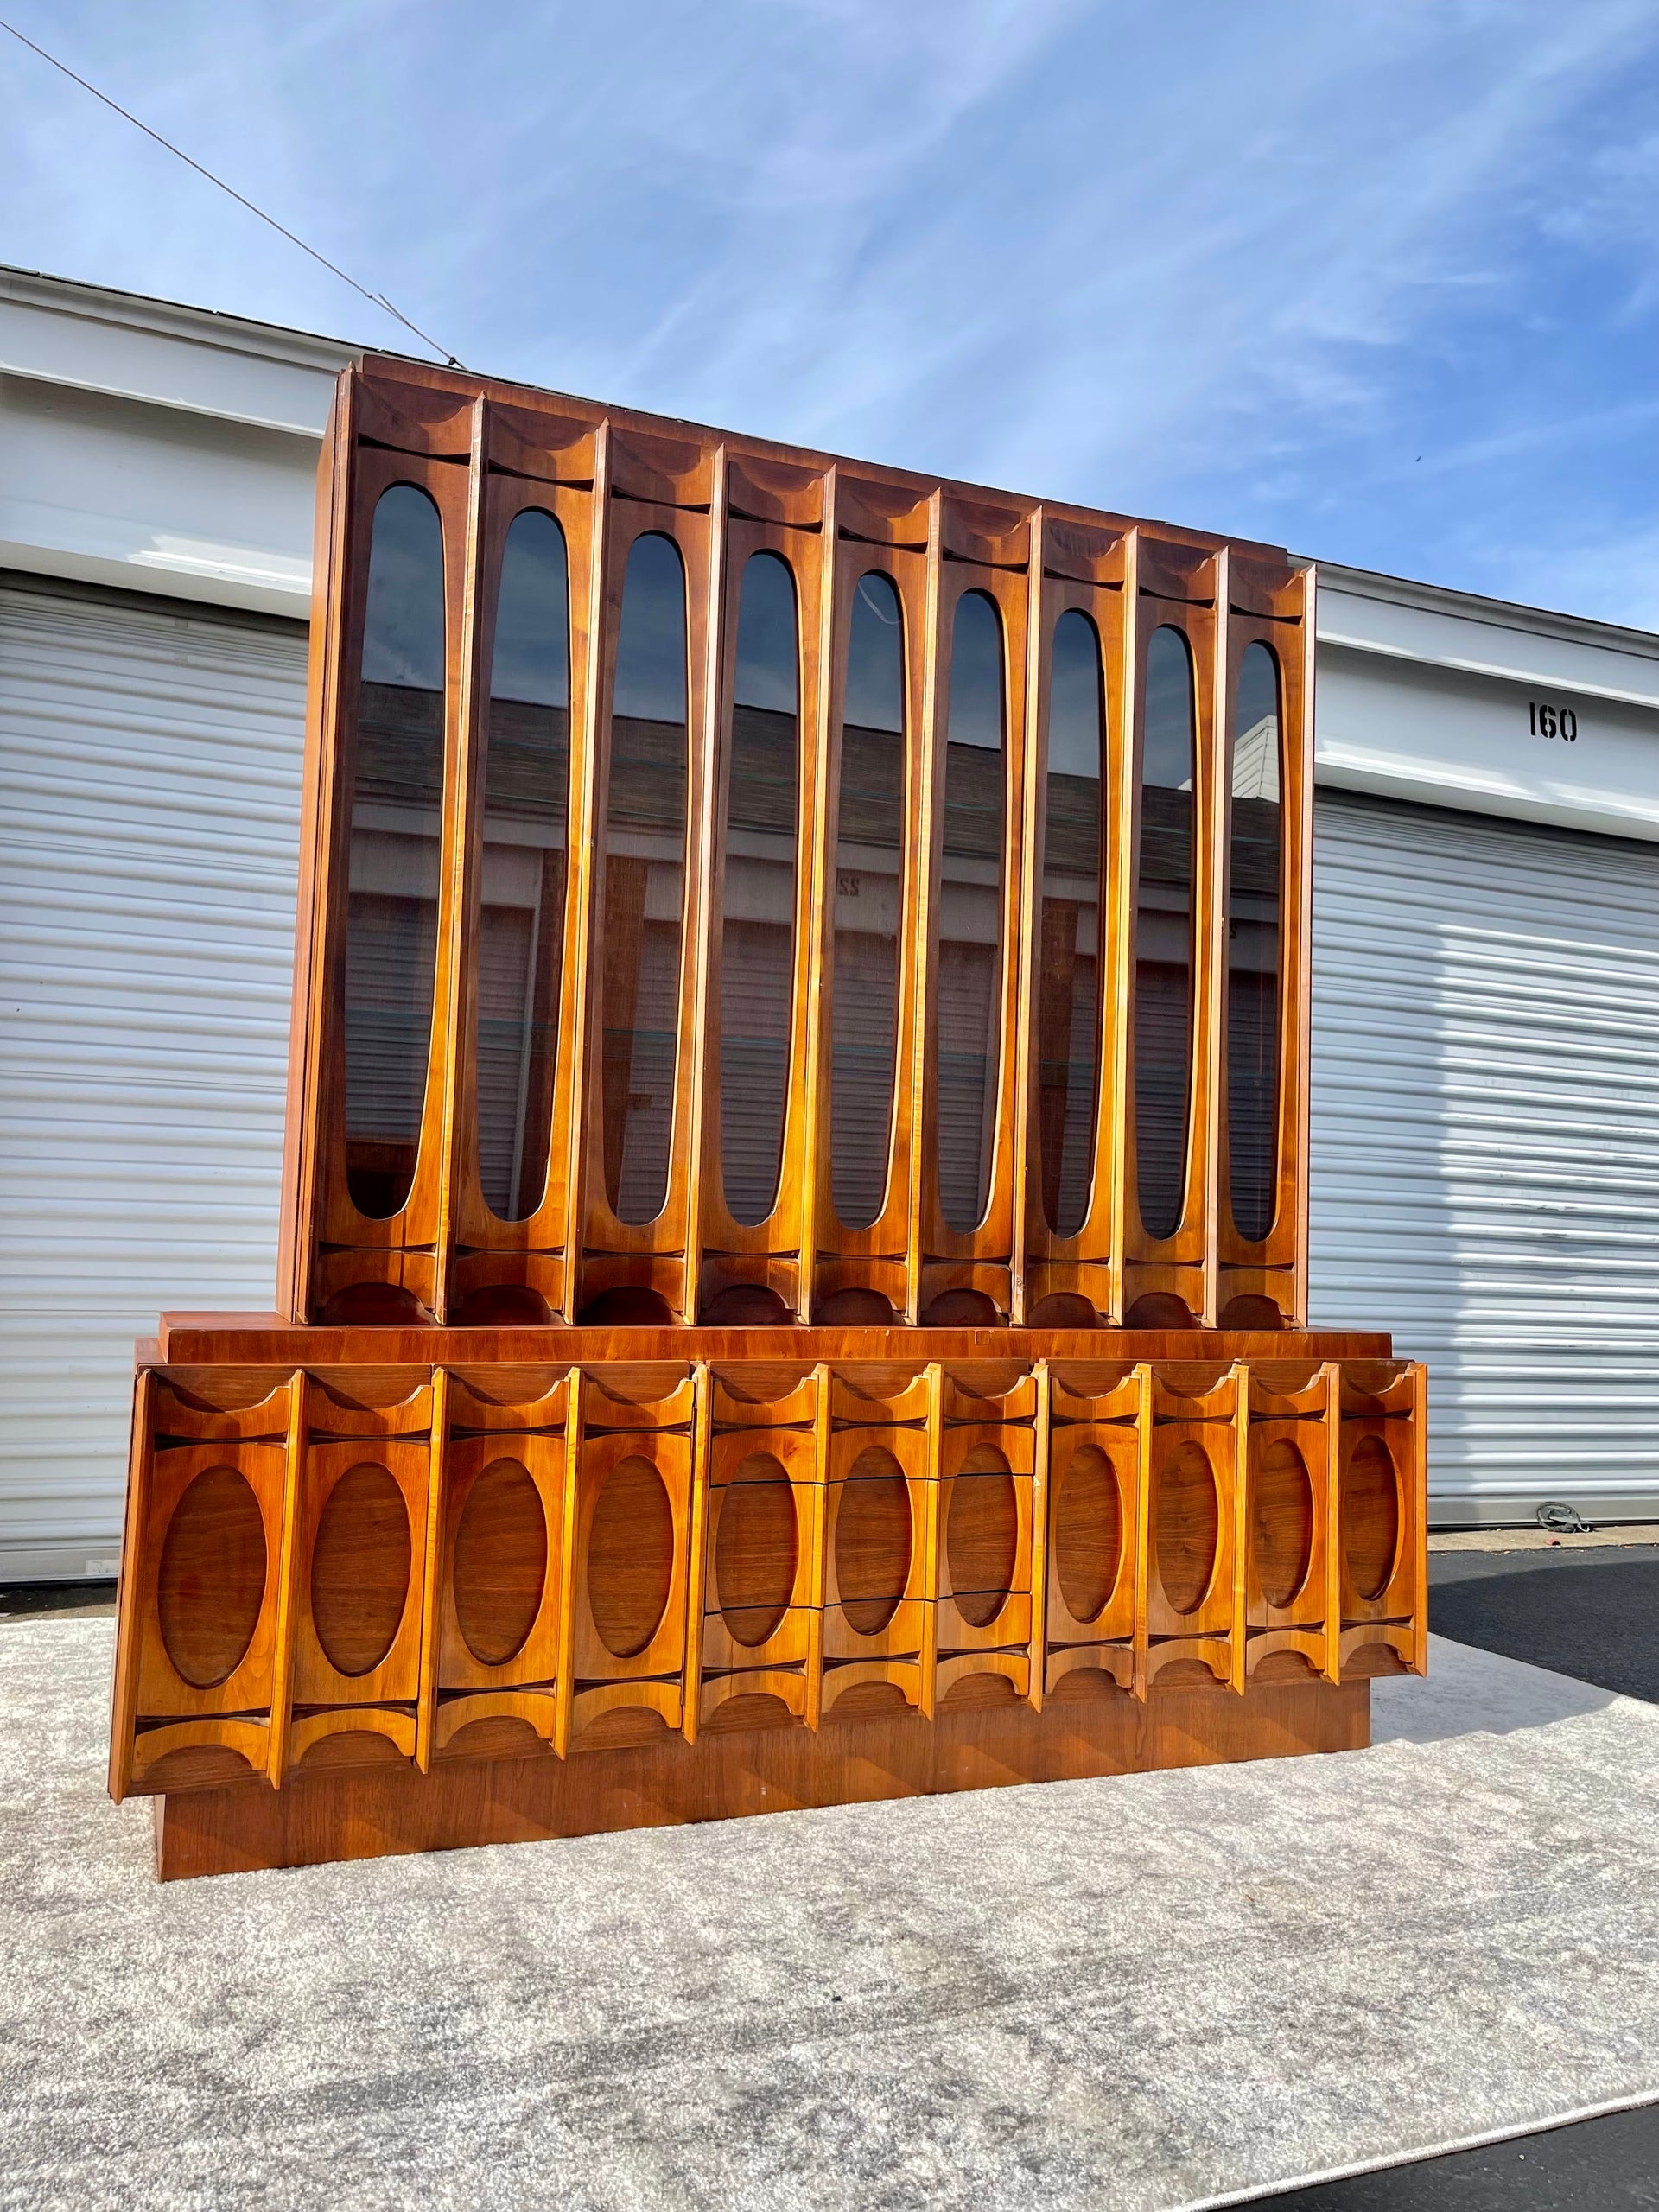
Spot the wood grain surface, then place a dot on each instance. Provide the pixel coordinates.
(782, 1767)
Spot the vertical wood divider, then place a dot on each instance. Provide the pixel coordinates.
(563, 1685)
(1332, 1376)
(820, 1433)
(1124, 802)
(587, 832)
(696, 1562)
(929, 1536)
(1117, 869)
(1040, 1515)
(1208, 842)
(462, 850)
(935, 1419)
(1143, 1535)
(298, 1245)
(1239, 1633)
(289, 1566)
(1419, 1513)
(811, 953)
(426, 1700)
(1024, 970)
(710, 907)
(920, 924)
(128, 1635)
(1213, 954)
(1304, 1014)
(818, 1072)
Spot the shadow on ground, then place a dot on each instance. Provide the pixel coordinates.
(1593, 1615)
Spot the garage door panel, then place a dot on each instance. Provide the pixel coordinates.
(149, 770)
(1485, 1141)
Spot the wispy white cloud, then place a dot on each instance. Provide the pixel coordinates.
(1607, 568)
(1237, 266)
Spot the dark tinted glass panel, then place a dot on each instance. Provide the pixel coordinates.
(521, 914)
(1163, 936)
(1254, 896)
(391, 931)
(1068, 983)
(758, 889)
(869, 885)
(644, 880)
(969, 1007)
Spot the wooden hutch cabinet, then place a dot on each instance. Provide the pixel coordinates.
(793, 1277)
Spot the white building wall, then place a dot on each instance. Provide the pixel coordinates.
(1439, 698)
(158, 449)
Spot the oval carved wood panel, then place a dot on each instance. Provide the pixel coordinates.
(982, 1536)
(1370, 1517)
(755, 1550)
(1088, 1533)
(630, 1557)
(1186, 1521)
(872, 1542)
(1281, 1521)
(211, 1579)
(359, 1570)
(500, 1562)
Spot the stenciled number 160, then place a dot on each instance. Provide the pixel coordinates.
(1551, 721)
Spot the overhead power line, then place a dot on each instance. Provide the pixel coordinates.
(374, 299)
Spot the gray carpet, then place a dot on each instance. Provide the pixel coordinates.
(1170, 1990)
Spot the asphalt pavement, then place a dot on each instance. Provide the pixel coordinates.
(1591, 1614)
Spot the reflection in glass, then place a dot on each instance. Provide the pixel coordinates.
(392, 930)
(1254, 896)
(869, 886)
(968, 1007)
(645, 879)
(1163, 936)
(758, 928)
(521, 914)
(1068, 955)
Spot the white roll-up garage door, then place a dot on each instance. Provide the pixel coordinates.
(1486, 1142)
(149, 757)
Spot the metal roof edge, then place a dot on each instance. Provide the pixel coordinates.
(1480, 607)
(179, 319)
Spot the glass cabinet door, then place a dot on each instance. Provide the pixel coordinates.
(644, 880)
(1069, 1013)
(1164, 884)
(392, 930)
(757, 950)
(1254, 903)
(526, 737)
(967, 1002)
(869, 886)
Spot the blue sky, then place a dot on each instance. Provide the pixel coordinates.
(1376, 279)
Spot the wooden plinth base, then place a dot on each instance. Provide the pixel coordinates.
(374, 1812)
